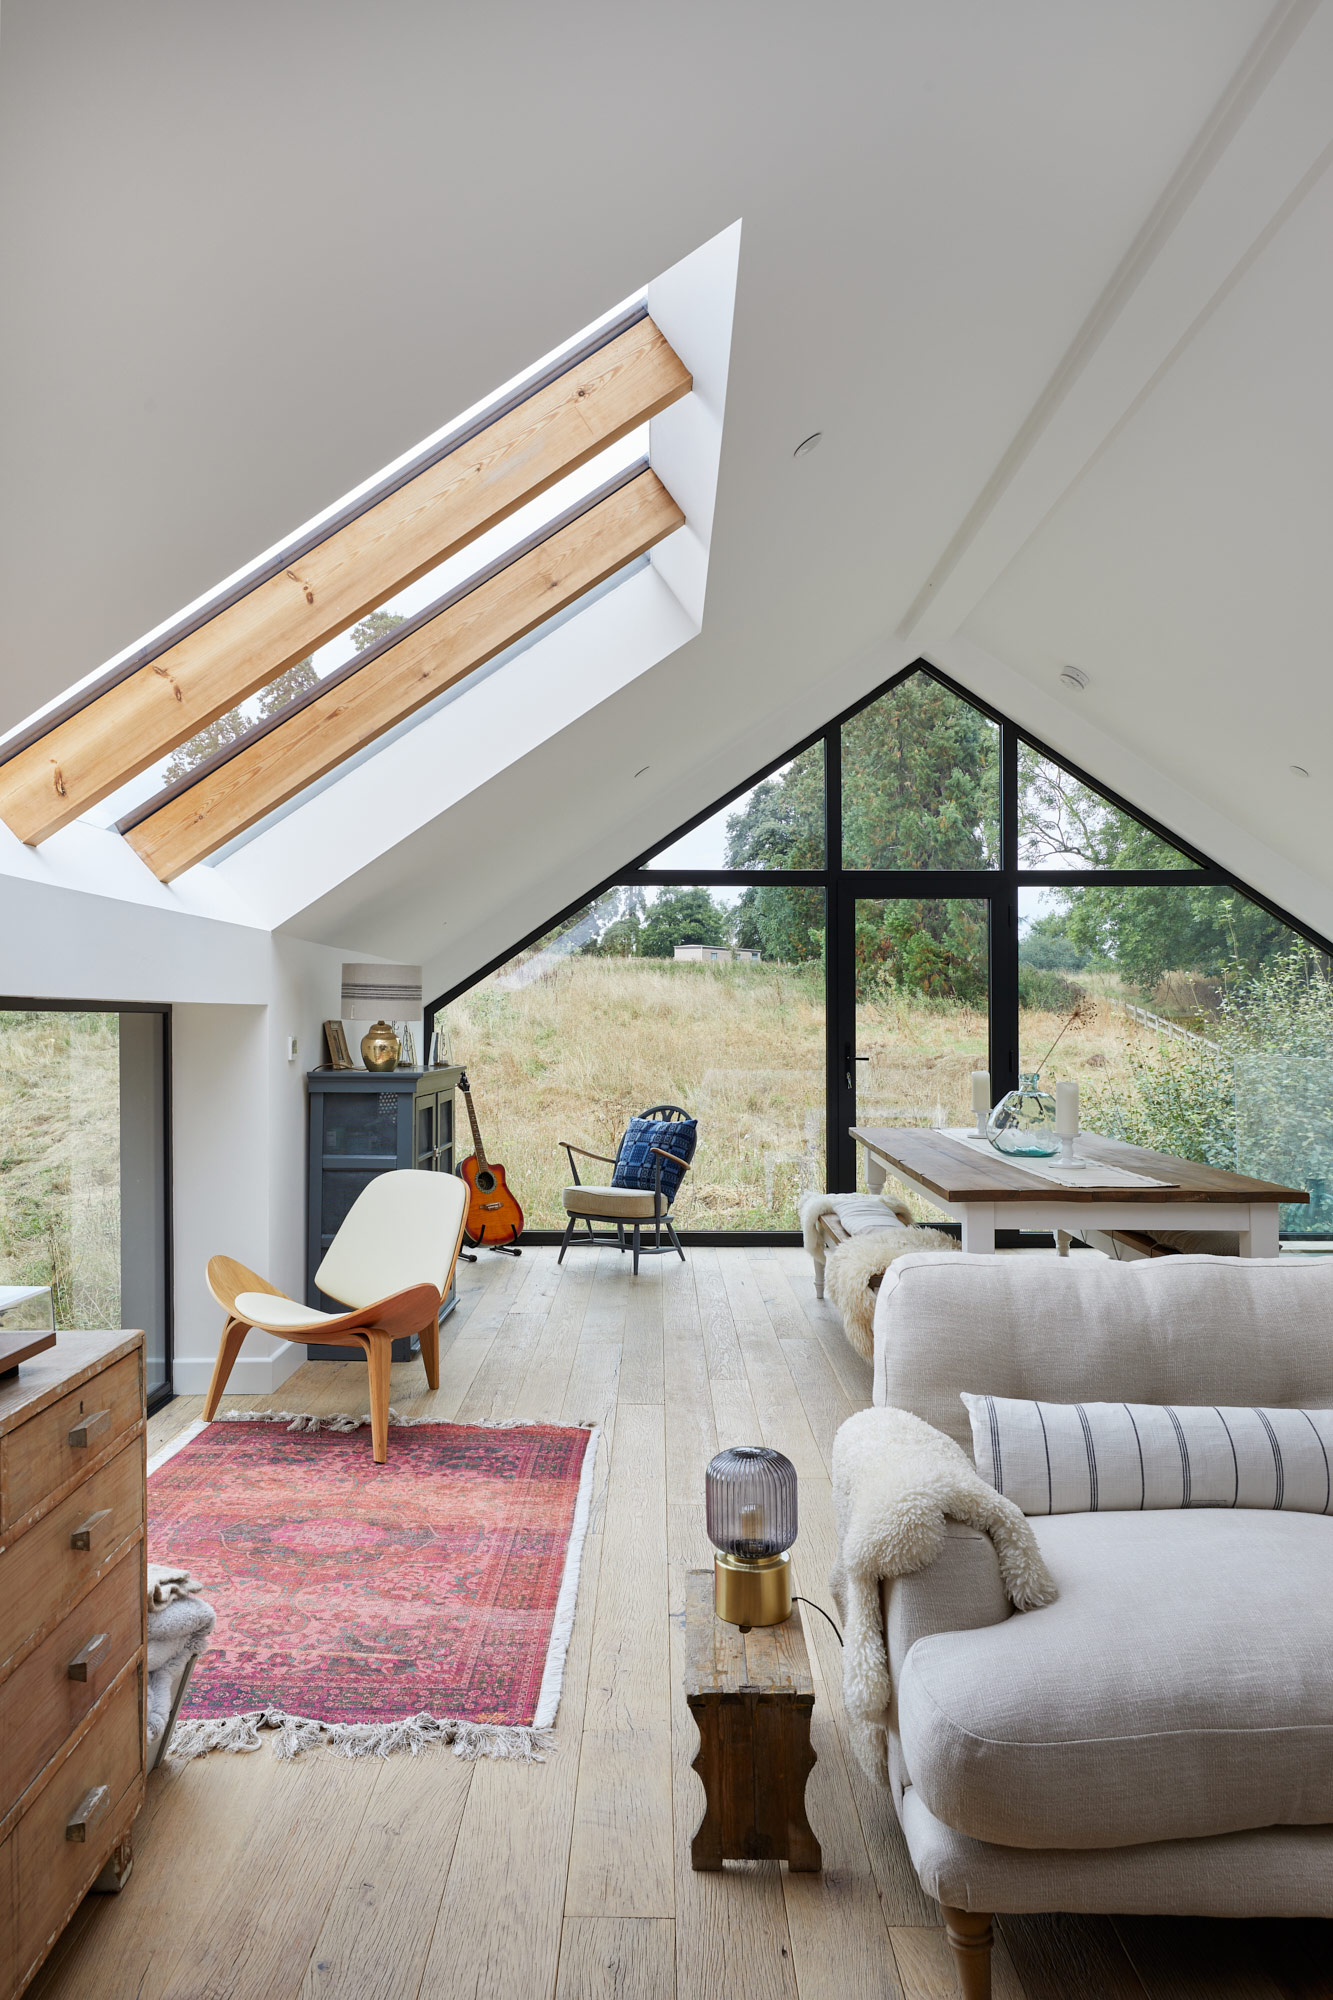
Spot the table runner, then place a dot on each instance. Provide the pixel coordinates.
(1095, 1175)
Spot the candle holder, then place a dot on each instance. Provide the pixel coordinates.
(750, 1496)
(1067, 1152)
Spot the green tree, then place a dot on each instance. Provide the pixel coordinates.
(375, 627)
(781, 825)
(682, 916)
(920, 781)
(1047, 945)
(238, 722)
(1142, 931)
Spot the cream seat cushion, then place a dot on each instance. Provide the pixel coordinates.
(275, 1313)
(611, 1203)
(1181, 1685)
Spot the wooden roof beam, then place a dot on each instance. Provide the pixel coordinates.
(263, 773)
(173, 695)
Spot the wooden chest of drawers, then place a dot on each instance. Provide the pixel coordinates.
(72, 1640)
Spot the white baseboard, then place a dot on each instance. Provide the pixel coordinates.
(257, 1375)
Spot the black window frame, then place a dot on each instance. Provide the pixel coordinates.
(999, 887)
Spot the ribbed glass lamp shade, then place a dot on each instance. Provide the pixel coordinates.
(751, 1502)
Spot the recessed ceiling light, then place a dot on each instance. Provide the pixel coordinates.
(807, 445)
(1298, 770)
(642, 768)
(1073, 677)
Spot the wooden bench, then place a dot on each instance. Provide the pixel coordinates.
(751, 1695)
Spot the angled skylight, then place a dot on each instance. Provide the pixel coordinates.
(420, 577)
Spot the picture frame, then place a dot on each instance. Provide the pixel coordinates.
(339, 1054)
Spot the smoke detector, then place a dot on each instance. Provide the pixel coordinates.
(1073, 677)
(807, 445)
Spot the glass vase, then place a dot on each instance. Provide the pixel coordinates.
(1023, 1122)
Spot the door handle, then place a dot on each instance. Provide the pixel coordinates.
(849, 1057)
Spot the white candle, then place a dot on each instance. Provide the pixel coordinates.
(981, 1090)
(1066, 1110)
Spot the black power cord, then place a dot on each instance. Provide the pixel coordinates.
(820, 1609)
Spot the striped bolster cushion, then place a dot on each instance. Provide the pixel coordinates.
(1082, 1458)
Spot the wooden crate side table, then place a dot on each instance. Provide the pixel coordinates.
(751, 1696)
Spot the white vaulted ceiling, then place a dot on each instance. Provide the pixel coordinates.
(1053, 281)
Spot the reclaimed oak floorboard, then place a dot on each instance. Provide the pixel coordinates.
(436, 1879)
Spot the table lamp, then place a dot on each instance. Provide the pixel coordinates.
(750, 1495)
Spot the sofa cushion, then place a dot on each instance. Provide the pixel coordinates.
(1086, 1458)
(639, 1154)
(1181, 1685)
(1085, 1329)
(613, 1204)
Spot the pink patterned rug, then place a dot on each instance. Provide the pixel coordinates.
(371, 1607)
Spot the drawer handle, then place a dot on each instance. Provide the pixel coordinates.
(92, 1426)
(87, 1813)
(82, 1536)
(86, 1660)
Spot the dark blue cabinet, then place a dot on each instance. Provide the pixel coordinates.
(362, 1125)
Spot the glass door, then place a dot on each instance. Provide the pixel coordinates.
(921, 1021)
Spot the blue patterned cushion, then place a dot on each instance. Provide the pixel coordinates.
(636, 1161)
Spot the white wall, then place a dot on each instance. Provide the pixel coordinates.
(239, 1139)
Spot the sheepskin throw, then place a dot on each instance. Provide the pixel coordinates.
(854, 1211)
(896, 1480)
(851, 1265)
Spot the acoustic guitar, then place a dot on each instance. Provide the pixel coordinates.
(493, 1214)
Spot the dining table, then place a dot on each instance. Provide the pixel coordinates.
(1113, 1186)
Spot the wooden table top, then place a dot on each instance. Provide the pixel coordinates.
(721, 1660)
(960, 1173)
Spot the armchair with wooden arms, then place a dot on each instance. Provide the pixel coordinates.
(390, 1263)
(645, 1198)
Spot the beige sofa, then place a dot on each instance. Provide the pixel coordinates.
(1160, 1740)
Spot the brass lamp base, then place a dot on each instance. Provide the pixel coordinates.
(748, 1593)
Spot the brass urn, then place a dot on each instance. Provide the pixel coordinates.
(380, 1047)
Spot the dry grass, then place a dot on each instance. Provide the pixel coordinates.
(60, 1161)
(592, 1040)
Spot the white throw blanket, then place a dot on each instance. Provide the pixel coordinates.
(857, 1211)
(851, 1266)
(179, 1624)
(896, 1480)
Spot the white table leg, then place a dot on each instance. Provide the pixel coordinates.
(979, 1226)
(1261, 1238)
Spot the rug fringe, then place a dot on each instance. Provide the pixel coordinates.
(294, 1734)
(305, 1420)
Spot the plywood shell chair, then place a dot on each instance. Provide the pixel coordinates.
(391, 1264)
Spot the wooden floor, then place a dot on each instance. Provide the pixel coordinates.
(428, 1876)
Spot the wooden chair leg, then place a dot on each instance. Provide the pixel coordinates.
(233, 1334)
(430, 1350)
(636, 1249)
(971, 1936)
(379, 1355)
